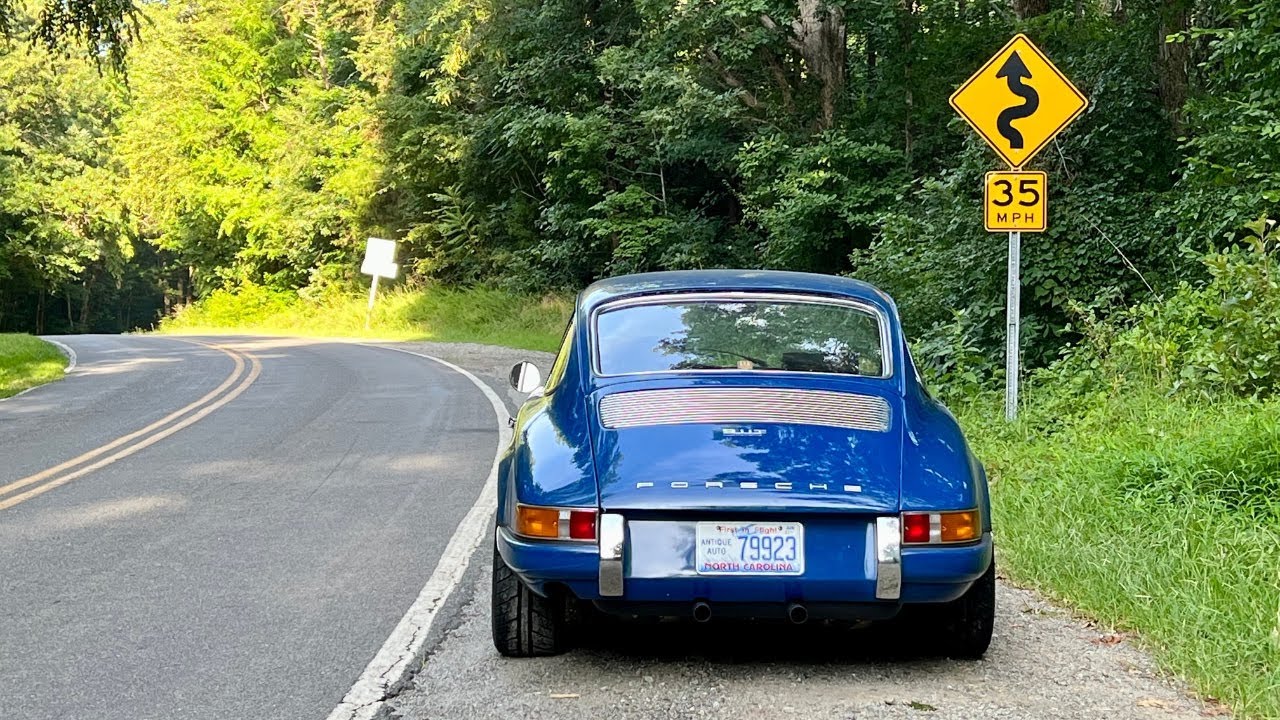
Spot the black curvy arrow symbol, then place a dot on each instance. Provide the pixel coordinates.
(1014, 71)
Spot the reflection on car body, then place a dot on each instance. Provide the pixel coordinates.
(737, 444)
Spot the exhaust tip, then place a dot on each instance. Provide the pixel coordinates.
(701, 612)
(797, 613)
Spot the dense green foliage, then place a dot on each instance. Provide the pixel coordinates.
(25, 362)
(699, 134)
(260, 164)
(70, 259)
(540, 144)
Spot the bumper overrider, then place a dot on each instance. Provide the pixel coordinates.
(645, 566)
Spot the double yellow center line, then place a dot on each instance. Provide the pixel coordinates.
(81, 465)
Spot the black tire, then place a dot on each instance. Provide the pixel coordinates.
(525, 624)
(964, 625)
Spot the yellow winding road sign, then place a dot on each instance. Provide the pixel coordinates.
(1018, 101)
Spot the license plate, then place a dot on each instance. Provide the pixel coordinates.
(749, 548)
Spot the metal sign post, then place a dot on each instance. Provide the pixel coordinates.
(1013, 316)
(373, 295)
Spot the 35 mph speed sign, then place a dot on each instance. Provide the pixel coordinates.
(1015, 202)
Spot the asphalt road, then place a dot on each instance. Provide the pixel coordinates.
(243, 557)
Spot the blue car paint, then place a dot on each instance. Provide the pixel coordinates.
(562, 456)
(783, 452)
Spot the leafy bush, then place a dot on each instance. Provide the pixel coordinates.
(1232, 146)
(1219, 337)
(952, 359)
(228, 308)
(817, 200)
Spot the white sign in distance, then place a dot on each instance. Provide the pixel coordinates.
(380, 258)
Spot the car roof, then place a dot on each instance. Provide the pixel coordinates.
(604, 291)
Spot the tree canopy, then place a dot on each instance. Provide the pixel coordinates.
(102, 30)
(540, 144)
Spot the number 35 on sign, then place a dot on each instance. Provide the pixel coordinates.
(1015, 202)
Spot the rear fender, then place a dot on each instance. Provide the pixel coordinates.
(939, 472)
(549, 462)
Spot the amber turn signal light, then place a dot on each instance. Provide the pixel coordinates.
(960, 526)
(538, 522)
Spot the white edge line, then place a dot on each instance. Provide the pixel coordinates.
(402, 653)
(66, 350)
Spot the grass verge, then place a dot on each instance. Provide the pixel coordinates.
(432, 313)
(1155, 515)
(26, 362)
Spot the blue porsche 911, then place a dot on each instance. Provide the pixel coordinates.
(738, 444)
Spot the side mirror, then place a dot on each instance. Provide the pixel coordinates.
(525, 377)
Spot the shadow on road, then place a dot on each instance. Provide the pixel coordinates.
(732, 642)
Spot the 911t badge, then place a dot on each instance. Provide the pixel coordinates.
(743, 432)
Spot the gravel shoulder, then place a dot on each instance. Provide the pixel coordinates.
(491, 363)
(1043, 662)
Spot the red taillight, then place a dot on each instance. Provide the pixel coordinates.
(915, 528)
(582, 525)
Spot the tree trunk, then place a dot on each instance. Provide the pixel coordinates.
(40, 313)
(1172, 60)
(1030, 8)
(84, 306)
(820, 36)
(908, 27)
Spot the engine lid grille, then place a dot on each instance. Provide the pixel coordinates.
(720, 405)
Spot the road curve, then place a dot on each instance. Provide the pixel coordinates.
(262, 515)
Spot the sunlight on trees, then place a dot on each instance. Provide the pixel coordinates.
(539, 145)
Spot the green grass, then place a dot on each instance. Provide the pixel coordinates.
(26, 362)
(433, 313)
(1155, 515)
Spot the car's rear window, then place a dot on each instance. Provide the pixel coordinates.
(740, 334)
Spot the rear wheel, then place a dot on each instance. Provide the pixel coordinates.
(525, 624)
(964, 625)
